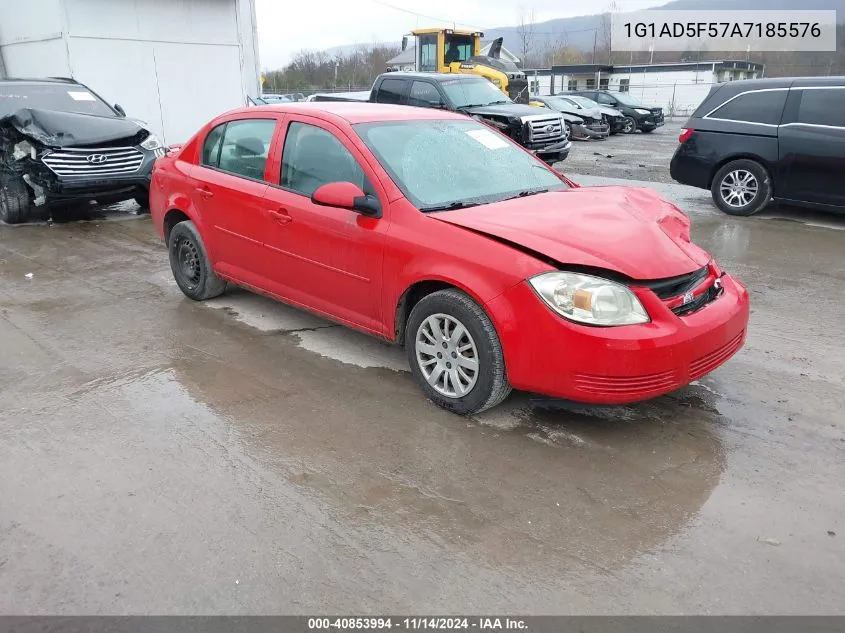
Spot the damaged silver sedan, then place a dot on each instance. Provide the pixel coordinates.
(60, 143)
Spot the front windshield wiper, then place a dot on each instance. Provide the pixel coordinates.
(471, 105)
(526, 193)
(451, 206)
(503, 101)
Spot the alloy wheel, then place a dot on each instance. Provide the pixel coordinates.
(447, 355)
(738, 188)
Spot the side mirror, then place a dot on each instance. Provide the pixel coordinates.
(345, 195)
(119, 109)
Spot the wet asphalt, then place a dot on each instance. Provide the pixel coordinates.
(160, 456)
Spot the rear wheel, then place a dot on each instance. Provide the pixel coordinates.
(190, 264)
(15, 204)
(742, 187)
(455, 353)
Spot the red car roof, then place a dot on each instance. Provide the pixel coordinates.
(357, 112)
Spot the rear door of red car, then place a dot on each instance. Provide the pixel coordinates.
(325, 257)
(230, 181)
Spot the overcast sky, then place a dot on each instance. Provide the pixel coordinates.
(287, 26)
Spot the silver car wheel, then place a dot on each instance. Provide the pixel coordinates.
(738, 188)
(447, 355)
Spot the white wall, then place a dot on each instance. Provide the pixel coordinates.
(171, 63)
(687, 88)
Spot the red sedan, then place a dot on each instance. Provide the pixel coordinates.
(431, 230)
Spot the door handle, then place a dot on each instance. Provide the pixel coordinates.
(205, 192)
(281, 216)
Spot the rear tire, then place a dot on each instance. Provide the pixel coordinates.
(742, 187)
(15, 204)
(469, 375)
(190, 264)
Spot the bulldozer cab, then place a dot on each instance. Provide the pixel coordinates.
(455, 51)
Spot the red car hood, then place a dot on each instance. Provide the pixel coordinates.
(631, 231)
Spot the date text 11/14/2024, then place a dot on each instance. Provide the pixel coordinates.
(417, 624)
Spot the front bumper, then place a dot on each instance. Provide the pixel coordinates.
(546, 354)
(590, 131)
(560, 147)
(650, 121)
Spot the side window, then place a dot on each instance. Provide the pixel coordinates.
(211, 146)
(424, 94)
(603, 98)
(753, 107)
(822, 107)
(390, 91)
(245, 147)
(427, 54)
(313, 157)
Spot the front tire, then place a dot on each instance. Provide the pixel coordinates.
(455, 353)
(742, 187)
(190, 264)
(15, 204)
(629, 126)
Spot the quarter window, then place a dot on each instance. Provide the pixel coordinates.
(211, 147)
(822, 107)
(244, 147)
(314, 157)
(753, 107)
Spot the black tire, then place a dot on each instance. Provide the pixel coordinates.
(648, 130)
(143, 201)
(189, 263)
(568, 130)
(15, 205)
(731, 170)
(491, 386)
(629, 126)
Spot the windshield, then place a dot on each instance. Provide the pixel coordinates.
(473, 92)
(623, 97)
(561, 104)
(61, 97)
(584, 102)
(442, 163)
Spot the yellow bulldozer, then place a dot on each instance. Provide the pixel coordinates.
(455, 51)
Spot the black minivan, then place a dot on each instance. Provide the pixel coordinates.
(759, 140)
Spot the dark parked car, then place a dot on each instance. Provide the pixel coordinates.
(590, 125)
(637, 116)
(543, 133)
(753, 141)
(61, 142)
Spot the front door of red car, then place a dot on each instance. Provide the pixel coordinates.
(229, 192)
(327, 258)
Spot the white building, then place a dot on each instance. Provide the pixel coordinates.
(678, 88)
(173, 64)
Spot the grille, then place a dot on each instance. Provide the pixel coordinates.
(625, 385)
(711, 361)
(538, 129)
(111, 161)
(675, 286)
(700, 301)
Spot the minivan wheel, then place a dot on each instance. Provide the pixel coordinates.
(742, 187)
(455, 353)
(629, 126)
(190, 265)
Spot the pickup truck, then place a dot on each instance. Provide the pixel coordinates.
(538, 130)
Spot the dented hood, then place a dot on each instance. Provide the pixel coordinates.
(66, 129)
(628, 230)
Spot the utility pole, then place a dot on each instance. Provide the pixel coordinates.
(595, 43)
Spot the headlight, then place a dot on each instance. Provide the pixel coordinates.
(642, 110)
(151, 143)
(588, 299)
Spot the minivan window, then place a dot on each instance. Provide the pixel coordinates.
(822, 107)
(753, 107)
(390, 91)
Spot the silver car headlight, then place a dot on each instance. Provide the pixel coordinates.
(151, 143)
(642, 110)
(588, 299)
